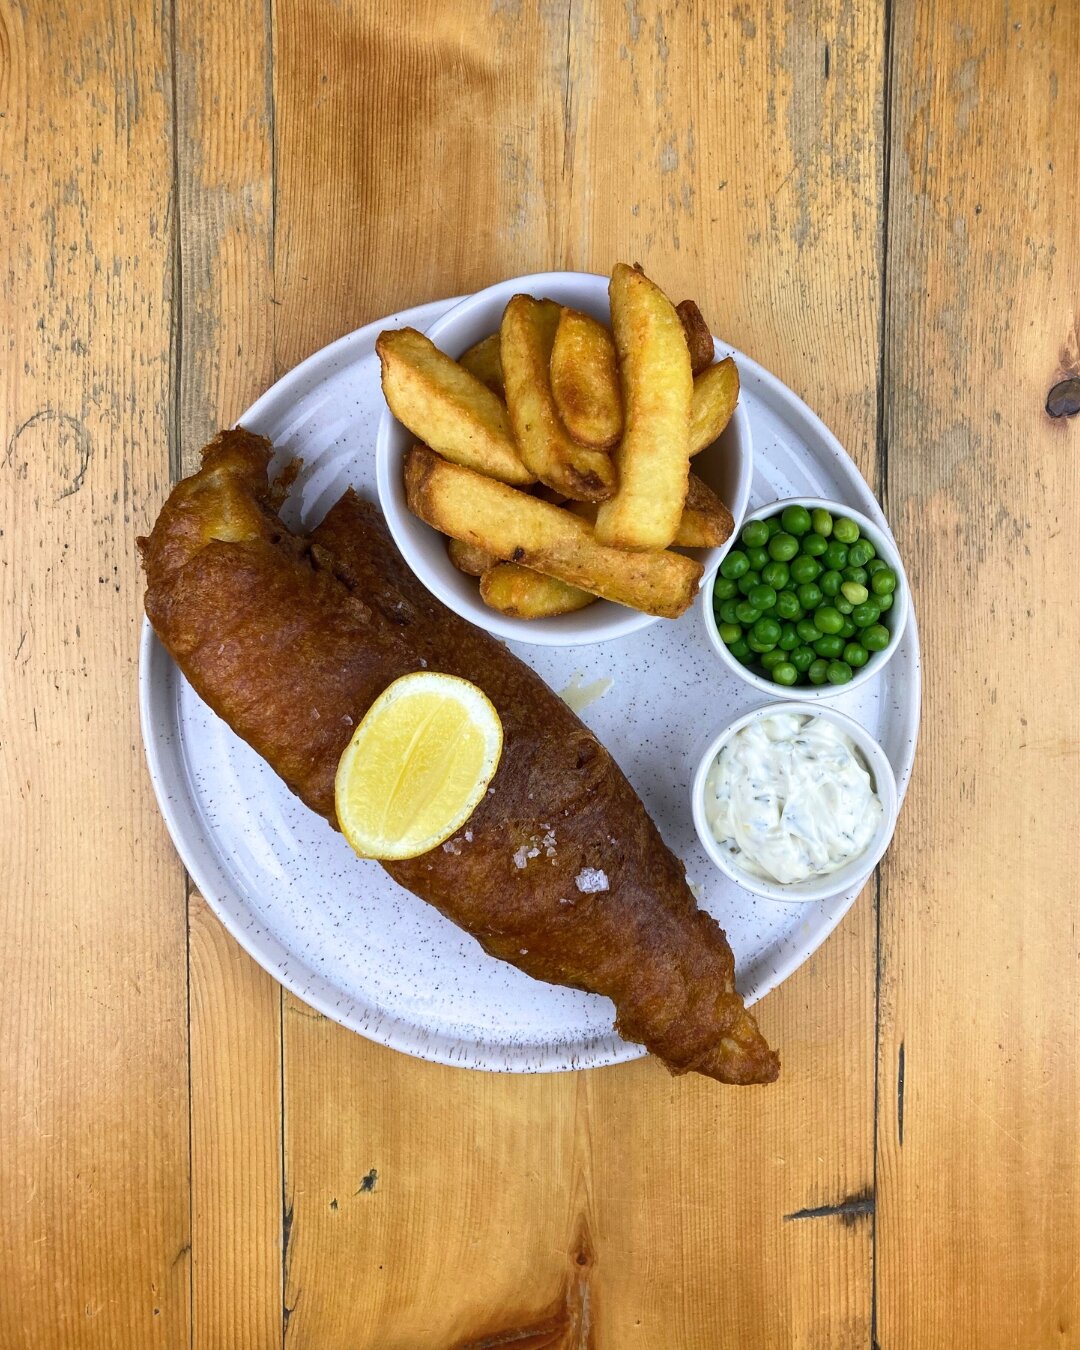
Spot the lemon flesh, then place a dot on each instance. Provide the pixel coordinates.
(417, 765)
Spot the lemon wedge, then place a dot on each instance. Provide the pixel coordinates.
(417, 765)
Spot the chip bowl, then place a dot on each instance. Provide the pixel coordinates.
(726, 466)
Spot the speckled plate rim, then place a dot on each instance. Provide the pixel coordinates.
(211, 879)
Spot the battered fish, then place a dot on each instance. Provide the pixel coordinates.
(291, 639)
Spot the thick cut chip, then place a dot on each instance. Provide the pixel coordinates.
(699, 339)
(523, 594)
(716, 391)
(527, 336)
(446, 407)
(653, 457)
(417, 765)
(483, 360)
(706, 522)
(585, 380)
(546, 538)
(474, 562)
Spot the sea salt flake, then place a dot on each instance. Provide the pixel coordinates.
(520, 856)
(591, 880)
(452, 846)
(468, 836)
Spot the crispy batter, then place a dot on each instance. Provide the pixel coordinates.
(270, 628)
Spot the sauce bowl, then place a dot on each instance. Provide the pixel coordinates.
(726, 465)
(894, 619)
(852, 873)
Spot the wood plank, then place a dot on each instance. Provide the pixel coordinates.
(979, 1174)
(726, 157)
(93, 1095)
(224, 159)
(236, 1183)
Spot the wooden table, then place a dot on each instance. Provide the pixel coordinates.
(881, 204)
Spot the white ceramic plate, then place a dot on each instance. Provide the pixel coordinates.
(338, 931)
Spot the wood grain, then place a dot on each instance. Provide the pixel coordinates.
(94, 1248)
(509, 1183)
(979, 1208)
(194, 197)
(224, 279)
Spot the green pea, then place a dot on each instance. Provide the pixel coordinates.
(724, 588)
(883, 582)
(808, 630)
(775, 574)
(772, 658)
(856, 655)
(785, 673)
(875, 565)
(835, 556)
(876, 638)
(829, 646)
(796, 520)
(851, 590)
(822, 522)
(787, 605)
(789, 638)
(860, 553)
(783, 547)
(845, 530)
(736, 564)
(726, 613)
(805, 569)
(740, 650)
(839, 672)
(857, 574)
(828, 619)
(755, 534)
(814, 545)
(884, 602)
(773, 525)
(809, 595)
(766, 630)
(864, 615)
(802, 658)
(830, 582)
(745, 613)
(848, 629)
(762, 597)
(758, 557)
(748, 581)
(729, 633)
(817, 671)
(751, 658)
(843, 605)
(756, 645)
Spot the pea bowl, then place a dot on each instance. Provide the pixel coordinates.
(822, 611)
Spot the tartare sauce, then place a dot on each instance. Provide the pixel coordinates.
(790, 798)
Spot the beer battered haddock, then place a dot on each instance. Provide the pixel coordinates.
(291, 639)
